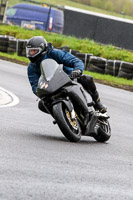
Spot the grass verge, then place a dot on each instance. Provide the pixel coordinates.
(100, 78)
(82, 45)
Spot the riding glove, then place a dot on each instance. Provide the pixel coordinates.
(75, 74)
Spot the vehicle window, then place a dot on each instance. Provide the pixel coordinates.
(11, 12)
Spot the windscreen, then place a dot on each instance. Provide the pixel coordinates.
(11, 12)
(48, 68)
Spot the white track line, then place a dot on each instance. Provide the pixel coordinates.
(7, 98)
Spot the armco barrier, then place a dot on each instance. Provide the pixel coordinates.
(22, 47)
(92, 63)
(97, 64)
(112, 67)
(85, 57)
(126, 70)
(4, 42)
(12, 45)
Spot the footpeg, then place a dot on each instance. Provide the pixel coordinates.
(104, 115)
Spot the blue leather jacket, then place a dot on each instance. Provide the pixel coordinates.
(69, 62)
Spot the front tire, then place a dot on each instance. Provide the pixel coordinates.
(70, 128)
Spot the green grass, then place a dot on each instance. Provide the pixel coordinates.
(82, 45)
(72, 4)
(15, 57)
(108, 79)
(85, 46)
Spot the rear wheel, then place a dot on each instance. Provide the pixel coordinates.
(104, 131)
(70, 128)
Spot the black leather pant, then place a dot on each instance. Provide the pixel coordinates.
(88, 83)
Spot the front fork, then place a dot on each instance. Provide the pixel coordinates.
(69, 106)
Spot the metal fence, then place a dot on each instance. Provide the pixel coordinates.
(98, 27)
(3, 7)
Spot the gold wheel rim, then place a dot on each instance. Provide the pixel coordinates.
(72, 122)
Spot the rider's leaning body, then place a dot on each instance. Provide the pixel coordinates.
(38, 49)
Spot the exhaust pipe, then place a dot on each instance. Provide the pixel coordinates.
(91, 128)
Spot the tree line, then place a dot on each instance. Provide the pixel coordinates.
(118, 6)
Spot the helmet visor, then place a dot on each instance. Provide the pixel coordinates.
(32, 52)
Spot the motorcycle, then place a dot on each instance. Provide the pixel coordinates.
(66, 101)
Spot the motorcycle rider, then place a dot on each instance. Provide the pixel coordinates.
(38, 49)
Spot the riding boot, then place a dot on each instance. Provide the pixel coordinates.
(98, 105)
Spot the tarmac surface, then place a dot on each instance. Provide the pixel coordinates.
(7, 98)
(36, 160)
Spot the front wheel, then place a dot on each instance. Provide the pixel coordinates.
(103, 131)
(70, 128)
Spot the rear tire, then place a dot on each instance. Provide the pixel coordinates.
(104, 131)
(70, 129)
